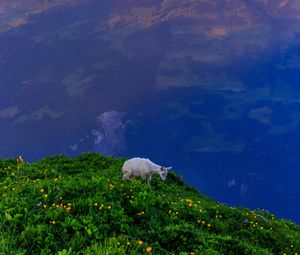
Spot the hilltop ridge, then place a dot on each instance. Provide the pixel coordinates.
(81, 206)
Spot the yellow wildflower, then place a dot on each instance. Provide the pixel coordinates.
(140, 242)
(109, 207)
(42, 190)
(149, 249)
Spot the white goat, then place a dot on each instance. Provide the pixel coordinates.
(144, 168)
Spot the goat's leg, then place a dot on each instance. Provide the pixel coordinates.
(149, 180)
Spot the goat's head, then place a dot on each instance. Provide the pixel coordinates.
(164, 172)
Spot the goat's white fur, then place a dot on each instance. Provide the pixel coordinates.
(144, 168)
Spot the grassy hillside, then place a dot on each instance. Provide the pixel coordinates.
(81, 206)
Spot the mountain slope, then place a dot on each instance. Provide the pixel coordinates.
(216, 80)
(60, 57)
(81, 205)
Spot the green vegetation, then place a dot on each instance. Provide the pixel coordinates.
(81, 206)
(38, 115)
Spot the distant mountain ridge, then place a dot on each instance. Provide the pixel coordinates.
(234, 12)
(16, 13)
(146, 13)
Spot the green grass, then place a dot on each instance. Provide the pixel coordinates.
(81, 206)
